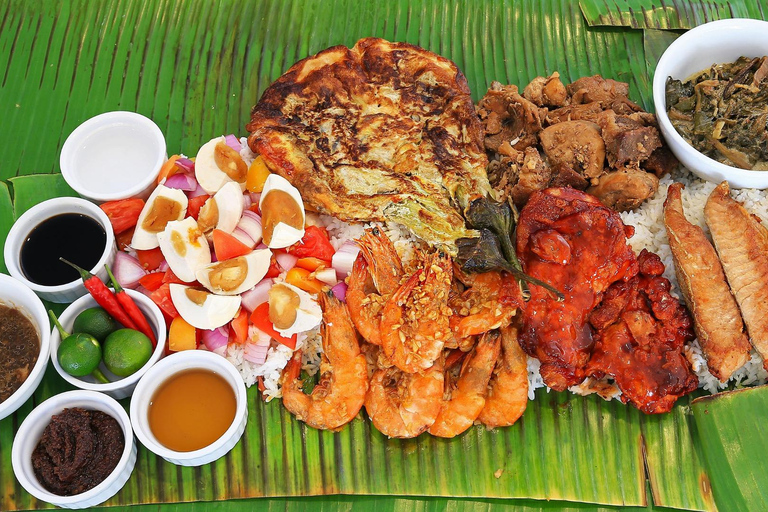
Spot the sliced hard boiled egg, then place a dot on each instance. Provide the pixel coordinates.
(223, 210)
(202, 309)
(163, 206)
(282, 213)
(292, 310)
(235, 275)
(217, 164)
(184, 247)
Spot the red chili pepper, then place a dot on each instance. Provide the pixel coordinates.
(132, 309)
(103, 296)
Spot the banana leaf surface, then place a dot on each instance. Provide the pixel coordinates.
(196, 68)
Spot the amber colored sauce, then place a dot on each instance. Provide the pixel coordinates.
(191, 410)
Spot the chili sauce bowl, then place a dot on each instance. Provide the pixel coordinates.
(159, 375)
(39, 213)
(118, 387)
(15, 294)
(113, 156)
(31, 430)
(716, 42)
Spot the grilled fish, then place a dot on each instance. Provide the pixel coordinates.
(716, 316)
(377, 132)
(742, 244)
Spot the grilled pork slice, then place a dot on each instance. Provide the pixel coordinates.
(742, 243)
(716, 316)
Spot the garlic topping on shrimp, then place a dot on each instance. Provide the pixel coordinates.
(340, 393)
(414, 321)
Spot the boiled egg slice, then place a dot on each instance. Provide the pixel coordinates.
(235, 275)
(201, 309)
(185, 248)
(163, 206)
(282, 213)
(217, 164)
(292, 310)
(223, 210)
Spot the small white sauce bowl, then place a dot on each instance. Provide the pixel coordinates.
(119, 387)
(112, 156)
(31, 430)
(31, 219)
(158, 375)
(14, 294)
(717, 42)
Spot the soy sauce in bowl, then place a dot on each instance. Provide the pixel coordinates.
(72, 236)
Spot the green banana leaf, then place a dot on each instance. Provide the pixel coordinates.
(734, 446)
(661, 14)
(6, 219)
(197, 67)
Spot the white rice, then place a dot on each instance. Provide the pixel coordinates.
(649, 234)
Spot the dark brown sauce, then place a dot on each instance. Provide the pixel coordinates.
(72, 236)
(20, 341)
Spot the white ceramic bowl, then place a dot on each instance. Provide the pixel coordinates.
(162, 371)
(32, 428)
(114, 155)
(15, 295)
(712, 43)
(37, 214)
(120, 387)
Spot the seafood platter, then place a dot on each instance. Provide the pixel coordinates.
(377, 248)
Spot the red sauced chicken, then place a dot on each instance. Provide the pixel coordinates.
(617, 319)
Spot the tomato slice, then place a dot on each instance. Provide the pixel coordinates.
(124, 239)
(123, 214)
(168, 169)
(300, 278)
(260, 318)
(315, 243)
(226, 246)
(312, 264)
(170, 277)
(152, 281)
(274, 267)
(239, 327)
(194, 205)
(162, 297)
(151, 258)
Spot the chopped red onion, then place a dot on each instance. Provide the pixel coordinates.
(199, 191)
(185, 164)
(344, 258)
(181, 181)
(233, 142)
(327, 276)
(243, 237)
(257, 295)
(286, 261)
(216, 338)
(250, 222)
(127, 270)
(340, 291)
(261, 246)
(163, 267)
(256, 354)
(143, 291)
(247, 201)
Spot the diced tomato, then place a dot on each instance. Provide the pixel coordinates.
(194, 205)
(152, 281)
(162, 297)
(168, 169)
(260, 318)
(255, 208)
(312, 264)
(170, 277)
(301, 278)
(123, 214)
(315, 243)
(239, 327)
(124, 239)
(274, 267)
(227, 246)
(151, 258)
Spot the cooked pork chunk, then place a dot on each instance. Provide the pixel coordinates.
(742, 244)
(627, 139)
(577, 144)
(716, 316)
(546, 92)
(509, 118)
(596, 88)
(625, 189)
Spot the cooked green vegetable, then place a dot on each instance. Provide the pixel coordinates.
(723, 112)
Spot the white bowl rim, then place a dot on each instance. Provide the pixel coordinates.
(56, 401)
(45, 344)
(125, 381)
(660, 80)
(85, 127)
(12, 249)
(198, 359)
